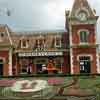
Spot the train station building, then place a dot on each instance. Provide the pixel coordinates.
(71, 51)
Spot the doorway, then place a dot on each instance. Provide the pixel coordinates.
(40, 63)
(39, 67)
(85, 64)
(1, 67)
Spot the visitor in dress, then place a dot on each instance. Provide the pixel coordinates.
(29, 69)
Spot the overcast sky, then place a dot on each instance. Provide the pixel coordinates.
(32, 15)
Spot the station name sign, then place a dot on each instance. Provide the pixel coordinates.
(34, 54)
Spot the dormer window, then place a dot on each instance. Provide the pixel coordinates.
(24, 43)
(40, 43)
(58, 41)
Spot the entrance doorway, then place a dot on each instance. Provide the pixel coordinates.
(25, 65)
(1, 67)
(40, 63)
(85, 64)
(39, 67)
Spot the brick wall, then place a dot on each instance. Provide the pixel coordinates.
(4, 55)
(86, 51)
(75, 35)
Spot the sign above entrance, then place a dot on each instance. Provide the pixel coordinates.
(34, 54)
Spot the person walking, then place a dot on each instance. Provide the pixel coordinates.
(29, 69)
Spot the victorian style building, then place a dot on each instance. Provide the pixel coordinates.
(73, 51)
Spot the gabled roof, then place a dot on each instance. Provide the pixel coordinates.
(81, 4)
(32, 36)
(5, 38)
(10, 38)
(38, 32)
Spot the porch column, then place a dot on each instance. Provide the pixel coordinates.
(10, 62)
(71, 61)
(98, 63)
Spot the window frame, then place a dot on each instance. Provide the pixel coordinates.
(1, 33)
(40, 43)
(87, 33)
(60, 43)
(26, 41)
(85, 55)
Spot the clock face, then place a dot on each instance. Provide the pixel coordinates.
(82, 16)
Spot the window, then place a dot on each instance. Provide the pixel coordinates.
(24, 44)
(1, 36)
(83, 37)
(85, 64)
(40, 44)
(57, 42)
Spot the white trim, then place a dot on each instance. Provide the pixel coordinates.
(34, 54)
(8, 35)
(70, 12)
(70, 34)
(58, 37)
(26, 42)
(82, 9)
(87, 32)
(75, 22)
(10, 62)
(86, 55)
(97, 60)
(2, 58)
(96, 40)
(71, 57)
(97, 51)
(71, 51)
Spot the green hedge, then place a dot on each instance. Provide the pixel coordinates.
(50, 75)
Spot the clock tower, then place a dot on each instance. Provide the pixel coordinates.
(82, 34)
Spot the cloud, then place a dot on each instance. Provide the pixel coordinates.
(38, 14)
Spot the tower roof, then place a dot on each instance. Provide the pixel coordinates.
(5, 38)
(82, 4)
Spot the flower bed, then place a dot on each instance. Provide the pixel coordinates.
(7, 82)
(55, 81)
(29, 86)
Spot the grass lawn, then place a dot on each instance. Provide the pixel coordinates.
(89, 82)
(83, 83)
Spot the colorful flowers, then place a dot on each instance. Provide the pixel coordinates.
(5, 82)
(55, 81)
